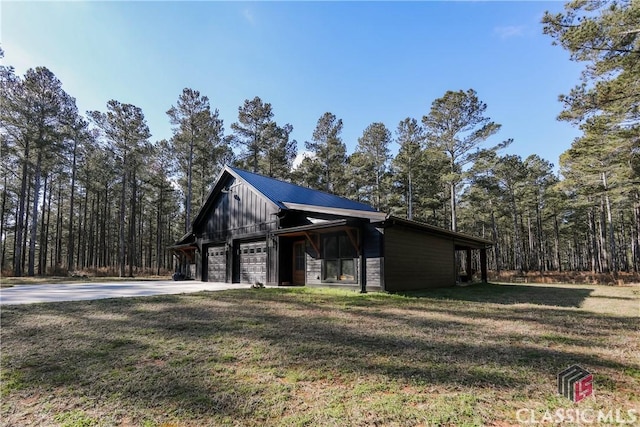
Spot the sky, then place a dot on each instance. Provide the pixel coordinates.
(365, 62)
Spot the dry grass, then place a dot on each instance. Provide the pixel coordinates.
(573, 277)
(457, 356)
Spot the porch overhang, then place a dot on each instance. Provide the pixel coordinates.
(320, 227)
(186, 247)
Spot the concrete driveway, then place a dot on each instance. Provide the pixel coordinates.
(27, 294)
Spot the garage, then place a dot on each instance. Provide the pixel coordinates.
(253, 262)
(217, 264)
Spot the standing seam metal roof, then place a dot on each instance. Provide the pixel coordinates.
(280, 192)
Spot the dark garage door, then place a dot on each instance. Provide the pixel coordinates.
(217, 264)
(253, 262)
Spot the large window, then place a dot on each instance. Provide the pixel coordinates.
(338, 260)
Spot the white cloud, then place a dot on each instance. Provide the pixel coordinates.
(300, 157)
(18, 58)
(510, 31)
(248, 15)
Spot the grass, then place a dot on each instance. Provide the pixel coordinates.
(306, 357)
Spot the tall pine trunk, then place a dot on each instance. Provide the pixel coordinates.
(123, 205)
(70, 248)
(17, 258)
(34, 215)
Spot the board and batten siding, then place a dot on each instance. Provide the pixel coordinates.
(417, 260)
(238, 212)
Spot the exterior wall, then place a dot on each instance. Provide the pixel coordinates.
(314, 270)
(374, 256)
(375, 272)
(238, 213)
(235, 216)
(417, 260)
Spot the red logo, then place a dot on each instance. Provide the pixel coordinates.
(575, 383)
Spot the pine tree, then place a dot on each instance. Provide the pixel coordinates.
(372, 161)
(126, 131)
(456, 125)
(198, 143)
(329, 157)
(254, 117)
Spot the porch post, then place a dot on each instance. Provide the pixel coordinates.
(483, 264)
(363, 261)
(468, 266)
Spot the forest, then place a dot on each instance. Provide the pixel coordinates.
(95, 193)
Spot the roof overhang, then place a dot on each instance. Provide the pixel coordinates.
(322, 227)
(352, 213)
(460, 240)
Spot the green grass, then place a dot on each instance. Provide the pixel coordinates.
(315, 357)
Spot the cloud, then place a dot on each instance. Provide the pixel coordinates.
(300, 157)
(510, 31)
(18, 58)
(248, 15)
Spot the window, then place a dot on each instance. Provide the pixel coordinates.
(338, 263)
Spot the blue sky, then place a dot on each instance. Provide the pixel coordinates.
(363, 61)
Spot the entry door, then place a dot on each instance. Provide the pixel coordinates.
(299, 258)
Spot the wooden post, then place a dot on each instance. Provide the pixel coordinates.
(363, 261)
(468, 265)
(483, 264)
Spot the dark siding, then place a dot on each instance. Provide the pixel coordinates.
(417, 260)
(236, 216)
(373, 238)
(237, 213)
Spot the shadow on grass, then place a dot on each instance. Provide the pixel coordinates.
(510, 294)
(221, 355)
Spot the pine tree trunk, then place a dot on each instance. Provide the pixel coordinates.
(2, 223)
(70, 248)
(123, 204)
(48, 229)
(187, 222)
(20, 218)
(132, 223)
(556, 242)
(159, 230)
(612, 242)
(42, 253)
(454, 221)
(58, 251)
(27, 215)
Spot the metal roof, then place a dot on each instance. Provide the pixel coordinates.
(280, 192)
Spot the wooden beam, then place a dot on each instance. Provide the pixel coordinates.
(313, 244)
(354, 242)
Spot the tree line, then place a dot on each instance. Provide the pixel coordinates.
(95, 192)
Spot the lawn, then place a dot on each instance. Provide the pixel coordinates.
(319, 357)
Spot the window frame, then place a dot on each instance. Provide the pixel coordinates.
(338, 245)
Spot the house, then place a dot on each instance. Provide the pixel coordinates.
(255, 229)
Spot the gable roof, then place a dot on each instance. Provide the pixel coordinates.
(284, 193)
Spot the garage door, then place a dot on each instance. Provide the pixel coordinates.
(217, 264)
(253, 262)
